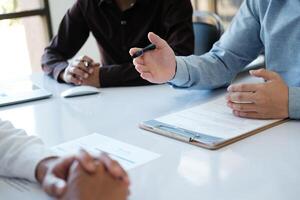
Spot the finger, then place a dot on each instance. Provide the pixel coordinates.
(70, 78)
(244, 87)
(83, 67)
(54, 186)
(79, 72)
(147, 76)
(138, 61)
(142, 68)
(243, 107)
(250, 115)
(92, 68)
(265, 74)
(62, 166)
(134, 50)
(155, 39)
(114, 168)
(85, 58)
(241, 97)
(86, 161)
(81, 64)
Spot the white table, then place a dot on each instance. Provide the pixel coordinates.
(264, 166)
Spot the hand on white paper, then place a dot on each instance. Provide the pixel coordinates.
(267, 100)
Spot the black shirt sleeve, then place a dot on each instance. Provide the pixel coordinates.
(72, 34)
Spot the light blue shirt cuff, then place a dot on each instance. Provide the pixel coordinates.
(182, 75)
(294, 102)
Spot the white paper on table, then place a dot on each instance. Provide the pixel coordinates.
(214, 119)
(127, 155)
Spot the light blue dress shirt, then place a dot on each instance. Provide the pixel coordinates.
(272, 26)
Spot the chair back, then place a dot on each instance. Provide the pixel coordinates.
(208, 29)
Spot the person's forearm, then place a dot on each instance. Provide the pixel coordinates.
(238, 46)
(72, 34)
(53, 64)
(120, 75)
(205, 72)
(294, 102)
(19, 153)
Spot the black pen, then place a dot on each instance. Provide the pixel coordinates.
(144, 50)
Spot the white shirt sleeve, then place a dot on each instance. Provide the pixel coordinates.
(20, 153)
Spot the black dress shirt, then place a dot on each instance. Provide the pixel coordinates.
(116, 32)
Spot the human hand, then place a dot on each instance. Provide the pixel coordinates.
(114, 168)
(52, 173)
(98, 186)
(268, 100)
(82, 71)
(156, 66)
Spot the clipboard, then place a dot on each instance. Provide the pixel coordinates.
(210, 125)
(197, 138)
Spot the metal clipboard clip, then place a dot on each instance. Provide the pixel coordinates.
(183, 134)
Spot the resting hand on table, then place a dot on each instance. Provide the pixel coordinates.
(269, 100)
(78, 73)
(53, 173)
(156, 66)
(98, 186)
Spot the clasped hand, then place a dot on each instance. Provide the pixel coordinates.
(82, 71)
(62, 177)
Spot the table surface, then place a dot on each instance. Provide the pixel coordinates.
(264, 166)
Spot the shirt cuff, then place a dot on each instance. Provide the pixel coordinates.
(182, 76)
(34, 154)
(58, 69)
(294, 102)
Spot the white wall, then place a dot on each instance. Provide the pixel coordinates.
(58, 8)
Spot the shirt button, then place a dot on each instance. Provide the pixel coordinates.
(123, 22)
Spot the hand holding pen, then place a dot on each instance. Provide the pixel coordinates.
(144, 50)
(157, 63)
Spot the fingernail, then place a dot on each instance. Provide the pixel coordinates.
(92, 166)
(91, 71)
(60, 184)
(251, 71)
(86, 75)
(229, 89)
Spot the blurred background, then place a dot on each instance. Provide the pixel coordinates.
(26, 27)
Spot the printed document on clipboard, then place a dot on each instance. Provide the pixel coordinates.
(210, 125)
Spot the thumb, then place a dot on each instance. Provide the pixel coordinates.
(133, 51)
(263, 73)
(155, 39)
(54, 186)
(96, 64)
